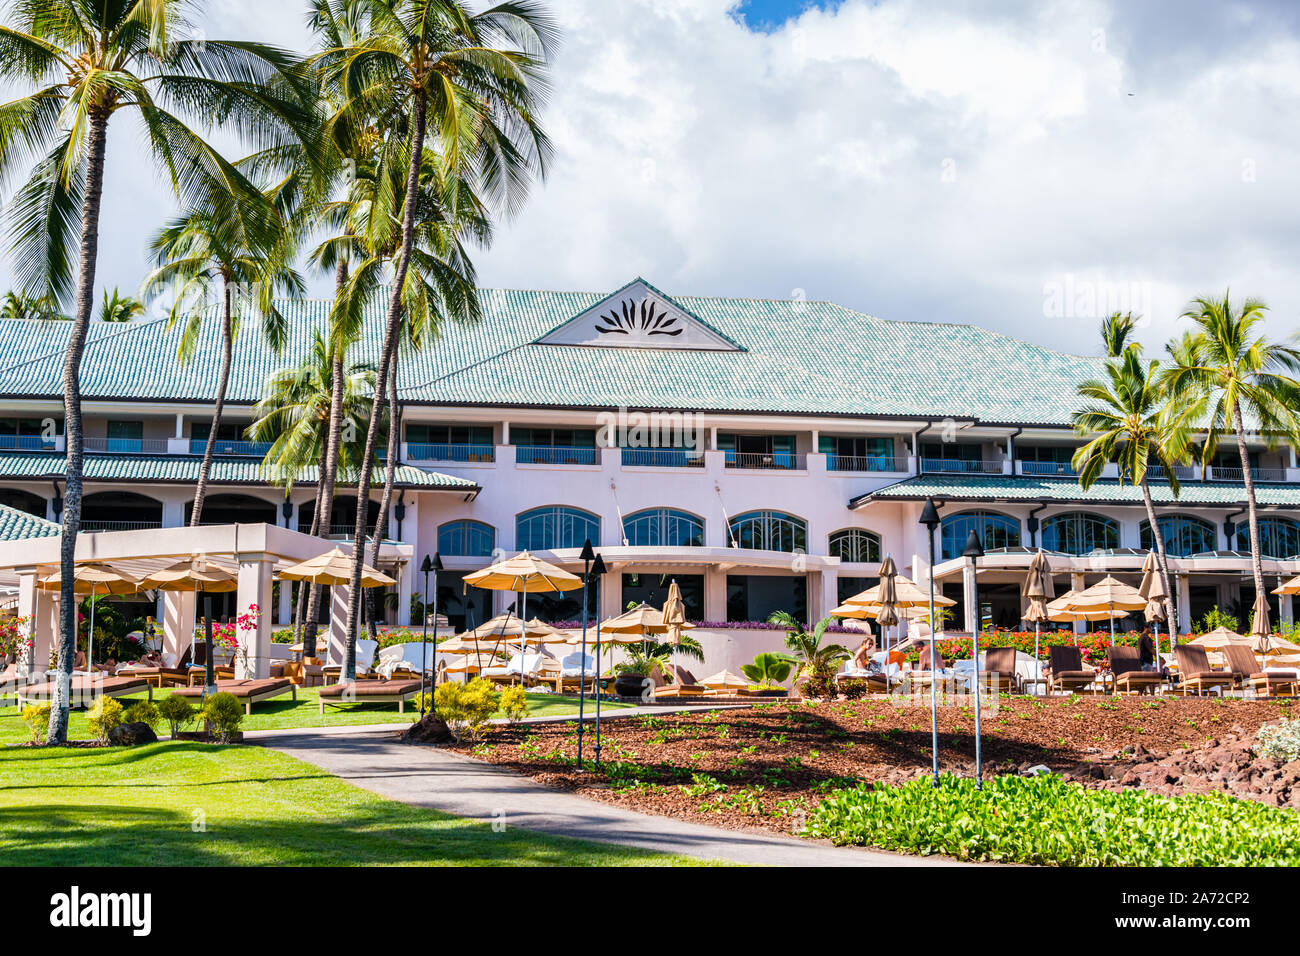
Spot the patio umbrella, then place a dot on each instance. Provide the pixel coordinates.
(1038, 589)
(200, 576)
(1109, 595)
(674, 616)
(524, 573)
(858, 611)
(906, 594)
(1153, 589)
(724, 680)
(1261, 631)
(1273, 648)
(1220, 637)
(887, 612)
(93, 579)
(509, 629)
(1056, 611)
(1289, 587)
(334, 568)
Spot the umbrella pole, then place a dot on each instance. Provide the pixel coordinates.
(1038, 665)
(934, 677)
(90, 636)
(209, 675)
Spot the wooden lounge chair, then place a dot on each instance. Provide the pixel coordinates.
(248, 692)
(373, 692)
(86, 688)
(1126, 665)
(1250, 676)
(1066, 670)
(999, 674)
(163, 676)
(1195, 673)
(920, 677)
(684, 686)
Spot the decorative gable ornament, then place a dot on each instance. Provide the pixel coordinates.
(639, 316)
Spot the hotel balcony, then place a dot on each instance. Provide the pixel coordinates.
(444, 451)
(867, 463)
(93, 524)
(127, 446)
(244, 449)
(662, 458)
(1062, 469)
(29, 443)
(961, 466)
(556, 455)
(766, 461)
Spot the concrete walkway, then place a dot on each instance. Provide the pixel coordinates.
(428, 777)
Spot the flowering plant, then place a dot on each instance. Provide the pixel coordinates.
(15, 637)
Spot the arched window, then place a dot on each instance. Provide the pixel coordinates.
(23, 501)
(1182, 534)
(1080, 532)
(120, 511)
(855, 544)
(234, 509)
(1278, 537)
(995, 531)
(466, 538)
(663, 526)
(545, 529)
(769, 531)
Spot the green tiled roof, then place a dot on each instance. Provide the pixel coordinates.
(184, 469)
(1009, 488)
(15, 524)
(798, 357)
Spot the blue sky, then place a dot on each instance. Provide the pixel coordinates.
(766, 15)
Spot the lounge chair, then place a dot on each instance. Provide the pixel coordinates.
(1195, 673)
(1250, 676)
(373, 692)
(166, 675)
(1066, 670)
(528, 669)
(923, 675)
(577, 670)
(999, 674)
(86, 688)
(365, 661)
(1126, 666)
(248, 692)
(684, 685)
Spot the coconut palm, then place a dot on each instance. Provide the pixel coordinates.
(1237, 373)
(200, 254)
(806, 648)
(1115, 331)
(119, 308)
(473, 83)
(83, 64)
(1131, 419)
(17, 305)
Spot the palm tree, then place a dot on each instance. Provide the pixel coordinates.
(806, 648)
(1230, 367)
(119, 308)
(198, 249)
(1132, 421)
(17, 305)
(85, 63)
(1115, 331)
(477, 80)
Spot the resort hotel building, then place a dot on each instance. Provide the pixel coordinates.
(764, 454)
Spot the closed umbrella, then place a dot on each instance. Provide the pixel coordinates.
(1038, 589)
(1153, 589)
(200, 576)
(887, 612)
(93, 579)
(1261, 630)
(525, 573)
(674, 616)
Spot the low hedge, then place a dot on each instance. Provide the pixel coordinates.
(1044, 820)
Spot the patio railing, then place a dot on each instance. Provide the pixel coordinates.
(1219, 473)
(91, 524)
(246, 449)
(865, 463)
(556, 455)
(663, 457)
(1063, 468)
(25, 443)
(961, 466)
(1182, 472)
(445, 451)
(127, 446)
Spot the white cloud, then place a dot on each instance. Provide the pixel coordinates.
(910, 161)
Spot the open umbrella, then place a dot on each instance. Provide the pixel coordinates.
(93, 579)
(525, 573)
(1220, 637)
(1038, 589)
(200, 576)
(724, 680)
(1108, 595)
(1153, 589)
(334, 568)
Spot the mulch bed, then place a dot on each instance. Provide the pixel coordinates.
(766, 766)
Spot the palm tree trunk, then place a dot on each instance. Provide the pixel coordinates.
(390, 474)
(1256, 563)
(1161, 558)
(393, 325)
(309, 593)
(223, 380)
(329, 468)
(96, 136)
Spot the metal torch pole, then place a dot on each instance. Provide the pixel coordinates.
(934, 676)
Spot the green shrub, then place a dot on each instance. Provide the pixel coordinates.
(224, 713)
(1280, 741)
(514, 703)
(769, 670)
(1044, 820)
(466, 707)
(37, 719)
(104, 714)
(142, 712)
(853, 688)
(177, 711)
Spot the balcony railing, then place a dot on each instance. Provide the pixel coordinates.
(556, 455)
(1182, 472)
(444, 451)
(663, 457)
(764, 461)
(1219, 473)
(961, 466)
(235, 448)
(127, 446)
(865, 463)
(26, 443)
(1062, 468)
(347, 530)
(92, 524)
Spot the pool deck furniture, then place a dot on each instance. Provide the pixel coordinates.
(1129, 677)
(247, 692)
(1068, 674)
(999, 674)
(373, 692)
(1196, 674)
(85, 689)
(684, 686)
(1250, 676)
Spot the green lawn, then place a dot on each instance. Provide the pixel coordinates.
(283, 713)
(197, 804)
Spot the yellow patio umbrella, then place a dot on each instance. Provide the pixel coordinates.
(1109, 595)
(1274, 647)
(906, 594)
(93, 579)
(525, 573)
(334, 568)
(1220, 637)
(200, 576)
(725, 680)
(636, 624)
(858, 611)
(1289, 587)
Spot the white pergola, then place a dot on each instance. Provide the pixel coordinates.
(252, 552)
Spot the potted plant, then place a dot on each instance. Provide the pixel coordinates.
(768, 672)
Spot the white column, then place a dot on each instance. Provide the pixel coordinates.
(827, 593)
(178, 624)
(1183, 586)
(715, 595)
(39, 607)
(405, 588)
(968, 582)
(254, 660)
(1077, 583)
(284, 609)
